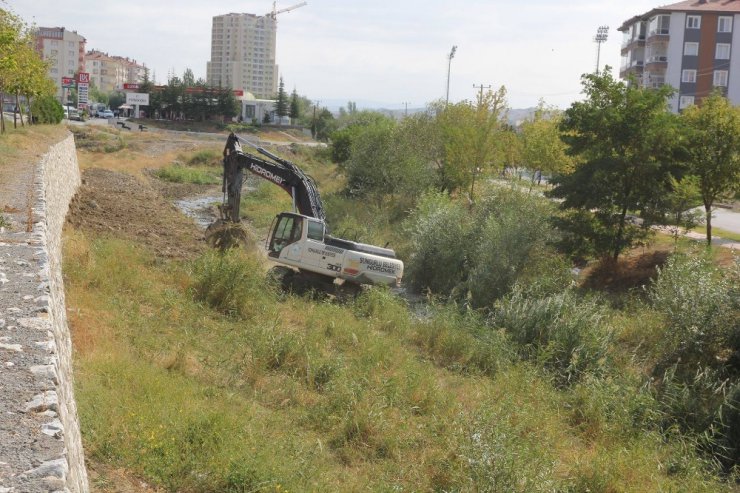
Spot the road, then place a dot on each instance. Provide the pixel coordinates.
(726, 219)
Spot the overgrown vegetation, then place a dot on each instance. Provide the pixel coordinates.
(505, 374)
(199, 175)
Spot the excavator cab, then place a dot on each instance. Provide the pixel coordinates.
(286, 229)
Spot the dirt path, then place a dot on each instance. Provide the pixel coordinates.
(17, 168)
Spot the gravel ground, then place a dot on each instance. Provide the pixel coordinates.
(30, 431)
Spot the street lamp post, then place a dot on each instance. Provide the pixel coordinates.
(601, 34)
(449, 64)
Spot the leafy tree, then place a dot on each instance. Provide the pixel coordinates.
(47, 109)
(188, 78)
(626, 139)
(11, 30)
(680, 201)
(542, 149)
(713, 145)
(97, 95)
(282, 106)
(381, 163)
(295, 107)
(468, 139)
(324, 125)
(350, 127)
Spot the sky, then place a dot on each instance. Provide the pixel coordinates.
(379, 53)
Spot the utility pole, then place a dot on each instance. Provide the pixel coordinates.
(602, 33)
(313, 125)
(449, 64)
(480, 97)
(406, 110)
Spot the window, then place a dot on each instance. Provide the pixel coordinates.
(688, 76)
(720, 78)
(685, 102)
(690, 49)
(724, 24)
(723, 51)
(693, 21)
(315, 231)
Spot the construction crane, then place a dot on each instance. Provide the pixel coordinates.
(275, 12)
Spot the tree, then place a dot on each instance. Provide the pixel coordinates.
(281, 107)
(469, 133)
(11, 30)
(188, 78)
(542, 148)
(324, 125)
(713, 146)
(626, 139)
(295, 107)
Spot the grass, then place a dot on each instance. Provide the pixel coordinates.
(199, 175)
(197, 376)
(718, 232)
(283, 393)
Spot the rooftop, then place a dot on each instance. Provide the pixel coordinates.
(713, 6)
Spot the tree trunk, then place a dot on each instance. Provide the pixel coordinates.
(708, 212)
(620, 233)
(30, 113)
(18, 105)
(2, 116)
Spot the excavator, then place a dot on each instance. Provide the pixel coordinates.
(299, 241)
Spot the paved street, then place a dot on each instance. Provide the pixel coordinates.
(726, 219)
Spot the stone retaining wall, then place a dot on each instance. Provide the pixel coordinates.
(40, 444)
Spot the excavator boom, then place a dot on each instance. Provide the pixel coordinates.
(281, 172)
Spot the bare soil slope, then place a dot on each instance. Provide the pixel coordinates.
(131, 208)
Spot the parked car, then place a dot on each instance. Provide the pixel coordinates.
(73, 114)
(105, 114)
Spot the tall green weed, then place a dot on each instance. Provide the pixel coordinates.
(566, 335)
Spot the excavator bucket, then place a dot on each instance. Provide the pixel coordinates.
(225, 235)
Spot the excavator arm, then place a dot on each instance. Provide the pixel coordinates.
(283, 173)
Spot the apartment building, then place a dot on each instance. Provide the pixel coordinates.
(110, 73)
(243, 54)
(64, 50)
(693, 45)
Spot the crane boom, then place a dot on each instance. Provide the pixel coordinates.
(275, 12)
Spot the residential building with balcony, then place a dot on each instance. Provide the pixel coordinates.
(64, 50)
(243, 54)
(692, 45)
(109, 73)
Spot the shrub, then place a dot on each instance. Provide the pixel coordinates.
(562, 333)
(701, 311)
(461, 341)
(47, 109)
(512, 232)
(229, 282)
(205, 157)
(183, 174)
(439, 234)
(478, 259)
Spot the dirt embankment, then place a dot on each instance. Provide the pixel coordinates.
(135, 209)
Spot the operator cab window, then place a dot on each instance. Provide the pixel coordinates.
(315, 231)
(287, 231)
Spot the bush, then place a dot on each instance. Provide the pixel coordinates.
(205, 157)
(562, 333)
(439, 234)
(183, 174)
(47, 110)
(229, 282)
(512, 233)
(701, 310)
(478, 259)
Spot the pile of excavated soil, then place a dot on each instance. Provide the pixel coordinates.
(130, 208)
